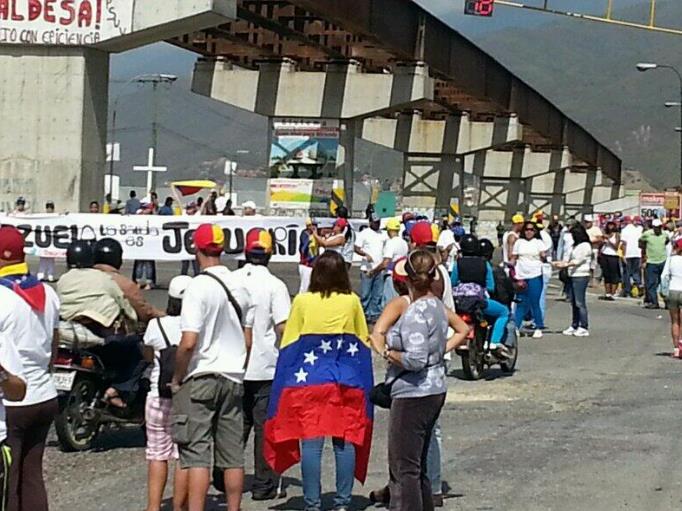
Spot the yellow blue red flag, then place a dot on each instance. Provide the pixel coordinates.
(322, 382)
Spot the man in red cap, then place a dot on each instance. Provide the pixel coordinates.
(29, 317)
(272, 305)
(632, 265)
(216, 322)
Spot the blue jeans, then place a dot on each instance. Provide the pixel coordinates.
(579, 301)
(632, 273)
(500, 314)
(311, 462)
(529, 300)
(144, 272)
(653, 280)
(546, 277)
(433, 461)
(371, 294)
(389, 291)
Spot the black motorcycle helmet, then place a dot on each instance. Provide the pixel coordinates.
(469, 245)
(79, 255)
(109, 251)
(487, 248)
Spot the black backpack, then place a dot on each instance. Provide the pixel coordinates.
(166, 365)
(504, 286)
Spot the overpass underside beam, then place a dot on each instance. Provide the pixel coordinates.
(524, 180)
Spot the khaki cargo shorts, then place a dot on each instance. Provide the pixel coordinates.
(208, 422)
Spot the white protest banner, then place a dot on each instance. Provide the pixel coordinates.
(64, 22)
(157, 238)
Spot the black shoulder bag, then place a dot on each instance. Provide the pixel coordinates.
(166, 365)
(380, 395)
(231, 298)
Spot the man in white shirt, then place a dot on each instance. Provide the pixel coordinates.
(12, 387)
(448, 247)
(394, 248)
(510, 237)
(272, 305)
(369, 244)
(629, 240)
(29, 315)
(547, 265)
(208, 419)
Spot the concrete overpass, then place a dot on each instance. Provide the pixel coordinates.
(388, 70)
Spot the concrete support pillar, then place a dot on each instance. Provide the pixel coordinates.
(53, 135)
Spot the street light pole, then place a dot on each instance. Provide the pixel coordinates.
(647, 66)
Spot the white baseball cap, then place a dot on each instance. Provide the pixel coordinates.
(588, 218)
(249, 204)
(656, 223)
(178, 285)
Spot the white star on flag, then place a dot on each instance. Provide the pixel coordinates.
(301, 376)
(326, 346)
(310, 358)
(339, 343)
(353, 349)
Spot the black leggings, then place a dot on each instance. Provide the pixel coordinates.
(410, 426)
(27, 428)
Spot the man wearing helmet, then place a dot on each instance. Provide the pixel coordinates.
(108, 255)
(90, 296)
(473, 268)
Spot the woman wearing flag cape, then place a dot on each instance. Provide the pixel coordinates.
(322, 385)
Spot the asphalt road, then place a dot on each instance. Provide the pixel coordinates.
(583, 424)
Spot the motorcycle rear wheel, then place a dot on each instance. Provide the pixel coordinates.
(74, 431)
(509, 366)
(473, 365)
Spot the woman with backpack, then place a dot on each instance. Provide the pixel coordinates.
(160, 340)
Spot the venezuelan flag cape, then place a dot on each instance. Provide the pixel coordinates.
(17, 278)
(322, 382)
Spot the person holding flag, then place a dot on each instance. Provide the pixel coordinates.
(322, 384)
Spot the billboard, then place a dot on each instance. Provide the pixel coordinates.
(64, 22)
(304, 147)
(659, 205)
(311, 194)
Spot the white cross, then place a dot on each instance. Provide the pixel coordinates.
(301, 376)
(150, 168)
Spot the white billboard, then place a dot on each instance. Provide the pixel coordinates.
(64, 22)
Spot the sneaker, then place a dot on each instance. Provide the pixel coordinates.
(382, 496)
(40, 277)
(272, 495)
(537, 334)
(569, 331)
(50, 278)
(676, 353)
(609, 298)
(582, 332)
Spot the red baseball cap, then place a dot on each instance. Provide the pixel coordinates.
(258, 240)
(341, 222)
(11, 244)
(210, 239)
(399, 271)
(422, 234)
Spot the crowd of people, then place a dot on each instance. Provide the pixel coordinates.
(232, 354)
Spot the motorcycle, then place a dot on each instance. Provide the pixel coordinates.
(82, 379)
(477, 356)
